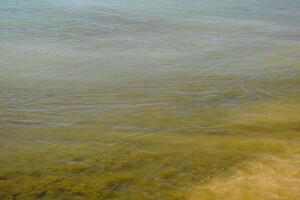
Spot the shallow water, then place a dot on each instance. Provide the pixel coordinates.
(147, 100)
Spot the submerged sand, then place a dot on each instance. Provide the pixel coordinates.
(268, 178)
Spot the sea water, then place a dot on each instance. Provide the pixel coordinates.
(161, 99)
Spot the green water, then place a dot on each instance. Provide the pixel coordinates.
(149, 100)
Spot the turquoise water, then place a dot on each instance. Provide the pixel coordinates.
(182, 90)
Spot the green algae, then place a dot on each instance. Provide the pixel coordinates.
(156, 141)
(159, 166)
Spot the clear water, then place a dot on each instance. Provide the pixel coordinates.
(146, 99)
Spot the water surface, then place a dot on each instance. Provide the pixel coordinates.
(148, 99)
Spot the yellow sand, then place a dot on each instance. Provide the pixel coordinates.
(271, 178)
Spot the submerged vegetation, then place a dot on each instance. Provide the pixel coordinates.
(103, 163)
(176, 140)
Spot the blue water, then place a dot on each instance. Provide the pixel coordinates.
(69, 39)
(80, 45)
